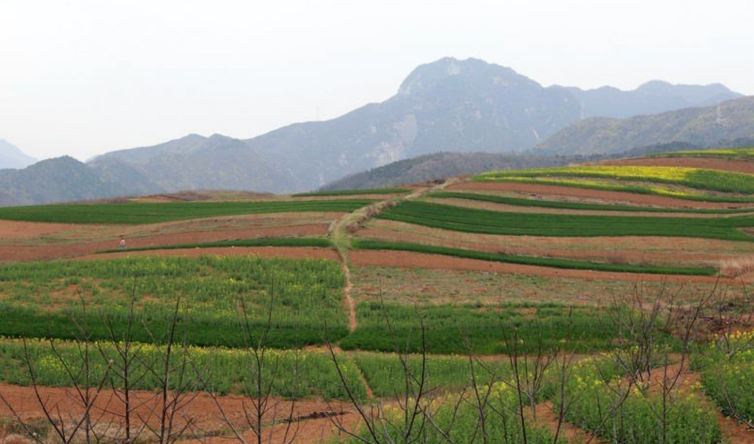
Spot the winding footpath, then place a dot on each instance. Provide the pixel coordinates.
(340, 233)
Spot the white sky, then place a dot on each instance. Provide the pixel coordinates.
(85, 77)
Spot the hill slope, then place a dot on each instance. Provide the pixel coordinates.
(441, 166)
(56, 180)
(730, 120)
(197, 162)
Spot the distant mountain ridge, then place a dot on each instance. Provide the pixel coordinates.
(12, 157)
(447, 106)
(727, 121)
(650, 98)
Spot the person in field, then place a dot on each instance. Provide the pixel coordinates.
(122, 244)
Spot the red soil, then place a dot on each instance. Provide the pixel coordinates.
(200, 409)
(420, 260)
(10, 229)
(65, 251)
(545, 248)
(583, 193)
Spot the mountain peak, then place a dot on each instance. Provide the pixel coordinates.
(430, 75)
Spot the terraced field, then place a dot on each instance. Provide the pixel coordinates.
(602, 302)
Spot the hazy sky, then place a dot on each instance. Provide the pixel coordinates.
(86, 77)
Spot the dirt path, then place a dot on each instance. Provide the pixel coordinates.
(340, 230)
(547, 417)
(350, 303)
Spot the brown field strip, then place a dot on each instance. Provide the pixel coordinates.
(441, 262)
(598, 195)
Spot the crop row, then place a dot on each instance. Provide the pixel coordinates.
(532, 260)
(697, 178)
(523, 202)
(146, 213)
(531, 224)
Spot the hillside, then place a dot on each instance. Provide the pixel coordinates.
(12, 157)
(197, 162)
(442, 166)
(54, 180)
(700, 126)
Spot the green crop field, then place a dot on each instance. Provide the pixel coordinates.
(38, 299)
(303, 374)
(589, 391)
(147, 213)
(523, 202)
(725, 153)
(697, 178)
(531, 260)
(531, 224)
(480, 329)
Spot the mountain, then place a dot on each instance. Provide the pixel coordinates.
(650, 98)
(449, 105)
(197, 162)
(728, 121)
(55, 180)
(12, 157)
(443, 165)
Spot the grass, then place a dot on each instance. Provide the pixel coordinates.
(39, 299)
(532, 260)
(523, 202)
(149, 213)
(303, 374)
(260, 242)
(355, 192)
(480, 329)
(471, 220)
(697, 178)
